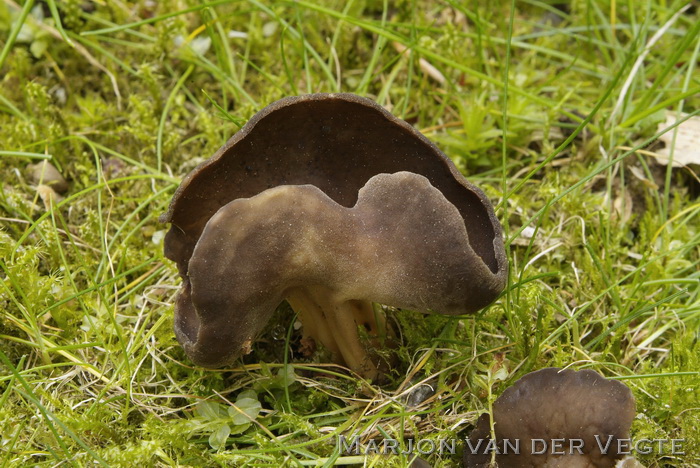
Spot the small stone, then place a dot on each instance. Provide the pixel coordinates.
(45, 173)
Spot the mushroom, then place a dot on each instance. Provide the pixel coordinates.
(555, 418)
(326, 200)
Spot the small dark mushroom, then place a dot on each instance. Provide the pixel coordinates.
(290, 208)
(567, 415)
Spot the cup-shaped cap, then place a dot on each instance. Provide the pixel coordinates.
(557, 418)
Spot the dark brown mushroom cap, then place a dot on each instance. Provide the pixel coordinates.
(335, 142)
(556, 404)
(402, 244)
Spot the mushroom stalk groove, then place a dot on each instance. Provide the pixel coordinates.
(335, 325)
